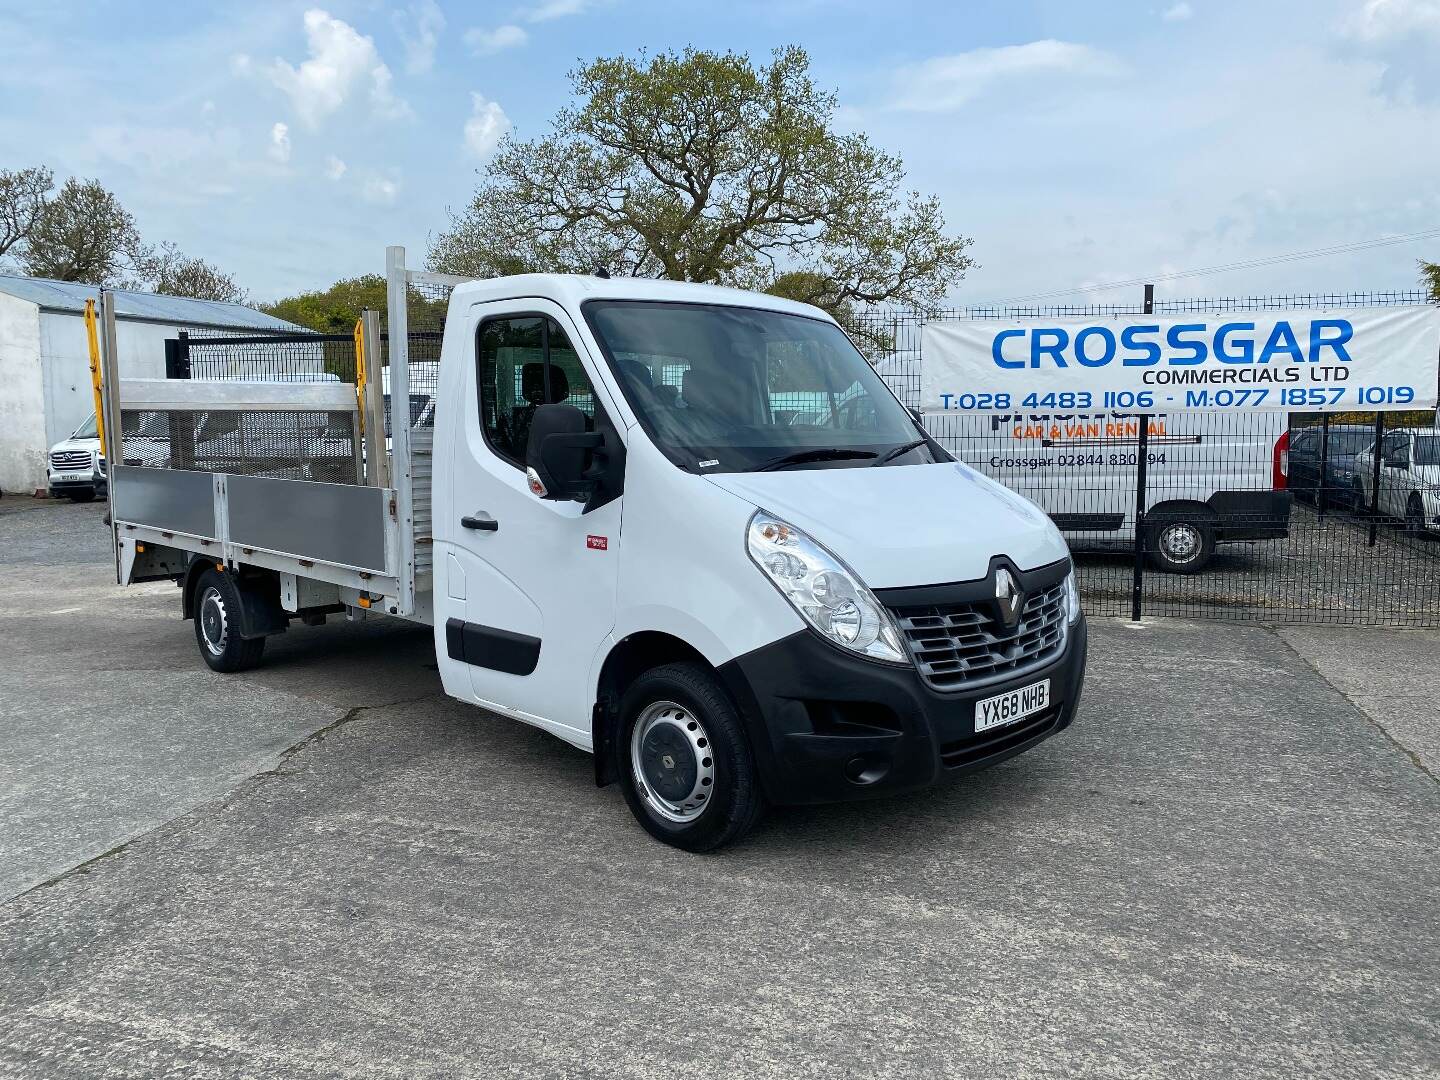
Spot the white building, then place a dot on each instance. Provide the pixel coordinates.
(45, 391)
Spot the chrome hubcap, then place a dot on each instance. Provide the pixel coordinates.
(1180, 542)
(671, 761)
(214, 624)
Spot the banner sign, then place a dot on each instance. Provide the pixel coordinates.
(1368, 359)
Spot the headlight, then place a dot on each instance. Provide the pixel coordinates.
(826, 593)
(1072, 598)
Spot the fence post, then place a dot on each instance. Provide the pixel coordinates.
(1142, 451)
(1320, 497)
(1375, 479)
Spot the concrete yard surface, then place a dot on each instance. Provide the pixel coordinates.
(1225, 868)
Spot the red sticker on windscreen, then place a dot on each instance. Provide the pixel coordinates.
(597, 543)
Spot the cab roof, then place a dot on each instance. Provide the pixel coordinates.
(572, 290)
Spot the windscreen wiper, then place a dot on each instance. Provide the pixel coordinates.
(799, 457)
(903, 448)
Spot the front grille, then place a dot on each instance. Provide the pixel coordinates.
(70, 460)
(962, 644)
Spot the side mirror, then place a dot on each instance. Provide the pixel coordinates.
(556, 456)
(916, 415)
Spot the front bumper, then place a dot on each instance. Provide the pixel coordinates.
(829, 727)
(96, 483)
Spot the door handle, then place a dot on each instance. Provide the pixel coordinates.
(480, 520)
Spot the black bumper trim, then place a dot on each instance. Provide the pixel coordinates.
(1251, 515)
(828, 727)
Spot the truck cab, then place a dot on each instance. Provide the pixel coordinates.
(691, 529)
(686, 528)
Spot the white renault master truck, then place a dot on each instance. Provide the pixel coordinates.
(684, 527)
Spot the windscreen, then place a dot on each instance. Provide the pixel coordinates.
(727, 389)
(87, 430)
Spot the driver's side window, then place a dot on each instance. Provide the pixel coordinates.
(523, 362)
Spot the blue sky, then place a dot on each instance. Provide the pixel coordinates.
(1078, 143)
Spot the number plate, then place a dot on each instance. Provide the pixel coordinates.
(1014, 705)
(72, 476)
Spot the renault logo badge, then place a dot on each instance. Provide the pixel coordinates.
(1008, 596)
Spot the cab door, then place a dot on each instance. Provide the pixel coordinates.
(525, 587)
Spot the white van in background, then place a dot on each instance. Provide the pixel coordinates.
(75, 468)
(1211, 478)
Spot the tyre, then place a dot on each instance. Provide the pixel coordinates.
(217, 625)
(80, 496)
(687, 769)
(1180, 542)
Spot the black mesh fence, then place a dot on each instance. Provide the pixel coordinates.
(318, 445)
(291, 356)
(1262, 516)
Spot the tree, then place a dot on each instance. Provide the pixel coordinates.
(334, 310)
(22, 199)
(697, 166)
(171, 272)
(1430, 278)
(83, 234)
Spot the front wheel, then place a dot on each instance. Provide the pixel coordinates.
(689, 775)
(217, 627)
(1180, 543)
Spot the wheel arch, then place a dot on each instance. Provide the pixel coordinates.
(1182, 506)
(260, 614)
(627, 659)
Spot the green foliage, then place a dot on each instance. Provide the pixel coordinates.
(335, 310)
(1430, 278)
(698, 166)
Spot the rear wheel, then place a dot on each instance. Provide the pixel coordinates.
(1179, 542)
(217, 626)
(689, 776)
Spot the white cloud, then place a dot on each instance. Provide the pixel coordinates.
(1403, 36)
(943, 83)
(1178, 12)
(1392, 20)
(381, 190)
(556, 9)
(341, 58)
(484, 42)
(280, 142)
(427, 21)
(487, 125)
(334, 168)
